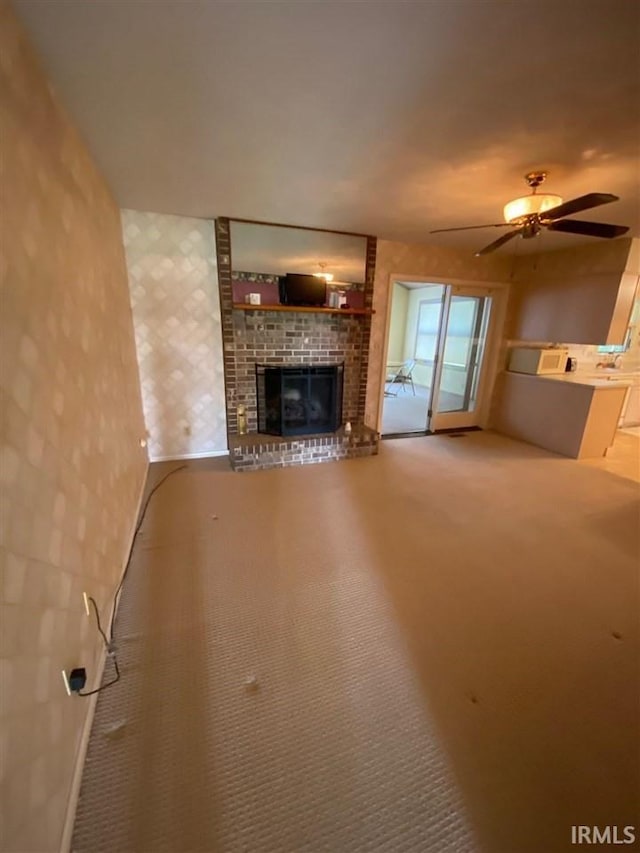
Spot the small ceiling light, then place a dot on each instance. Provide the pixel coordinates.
(327, 276)
(521, 208)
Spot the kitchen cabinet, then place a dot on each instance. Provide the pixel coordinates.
(581, 296)
(631, 408)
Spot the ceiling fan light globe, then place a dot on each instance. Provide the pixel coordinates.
(520, 209)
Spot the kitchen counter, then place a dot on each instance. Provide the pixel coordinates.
(574, 414)
(594, 380)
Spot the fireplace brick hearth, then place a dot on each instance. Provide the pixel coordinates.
(291, 339)
(255, 452)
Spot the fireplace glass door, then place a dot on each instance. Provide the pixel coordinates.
(300, 400)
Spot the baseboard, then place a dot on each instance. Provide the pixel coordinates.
(76, 780)
(453, 430)
(416, 434)
(206, 455)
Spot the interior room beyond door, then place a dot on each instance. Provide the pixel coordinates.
(414, 328)
(436, 346)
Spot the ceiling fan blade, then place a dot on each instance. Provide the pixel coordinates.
(590, 229)
(499, 242)
(575, 205)
(470, 227)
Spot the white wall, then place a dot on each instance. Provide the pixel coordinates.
(173, 283)
(398, 323)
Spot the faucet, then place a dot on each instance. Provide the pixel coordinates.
(613, 363)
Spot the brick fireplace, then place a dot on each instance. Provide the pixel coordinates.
(292, 338)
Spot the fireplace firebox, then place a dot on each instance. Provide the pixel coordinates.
(299, 400)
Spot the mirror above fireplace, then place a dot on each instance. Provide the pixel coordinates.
(258, 247)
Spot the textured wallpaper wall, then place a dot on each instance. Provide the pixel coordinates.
(71, 466)
(176, 312)
(412, 259)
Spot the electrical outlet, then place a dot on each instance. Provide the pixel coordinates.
(75, 681)
(78, 679)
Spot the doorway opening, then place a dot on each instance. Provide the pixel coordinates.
(437, 342)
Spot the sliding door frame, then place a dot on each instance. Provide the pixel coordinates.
(441, 421)
(499, 292)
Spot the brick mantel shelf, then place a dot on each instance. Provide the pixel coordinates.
(302, 309)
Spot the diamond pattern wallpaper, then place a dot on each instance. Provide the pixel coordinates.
(71, 465)
(176, 313)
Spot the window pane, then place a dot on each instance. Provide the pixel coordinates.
(427, 331)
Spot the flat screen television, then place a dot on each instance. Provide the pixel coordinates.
(299, 289)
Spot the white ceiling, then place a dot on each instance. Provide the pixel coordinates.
(389, 117)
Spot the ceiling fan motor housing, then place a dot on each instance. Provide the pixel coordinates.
(530, 227)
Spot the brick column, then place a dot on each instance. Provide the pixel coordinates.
(372, 243)
(223, 253)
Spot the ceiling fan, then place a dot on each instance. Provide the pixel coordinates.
(528, 215)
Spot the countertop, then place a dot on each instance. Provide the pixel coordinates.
(591, 379)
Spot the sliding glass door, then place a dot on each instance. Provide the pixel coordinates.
(459, 371)
(435, 355)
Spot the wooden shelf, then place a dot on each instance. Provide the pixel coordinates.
(243, 306)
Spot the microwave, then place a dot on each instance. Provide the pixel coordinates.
(538, 360)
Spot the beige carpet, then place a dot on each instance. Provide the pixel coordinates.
(444, 642)
(623, 457)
